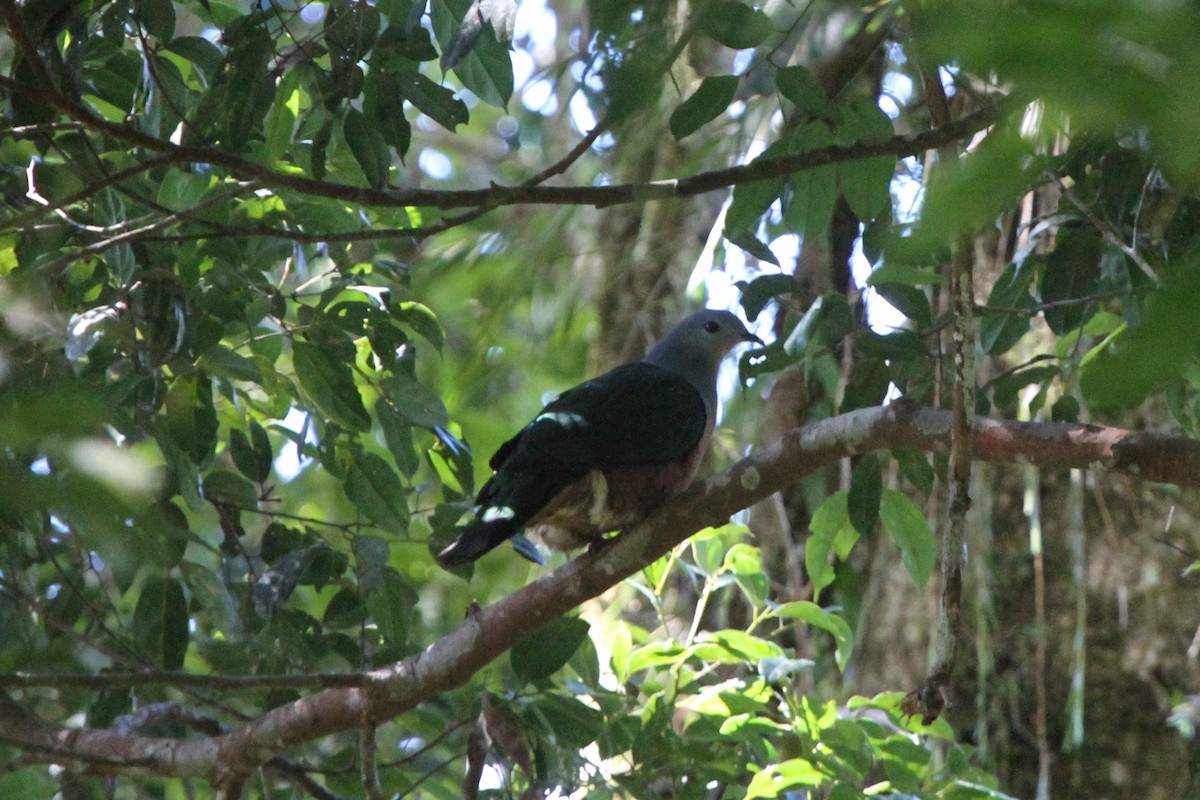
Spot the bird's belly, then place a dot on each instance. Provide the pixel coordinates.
(601, 502)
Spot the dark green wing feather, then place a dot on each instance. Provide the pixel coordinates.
(635, 415)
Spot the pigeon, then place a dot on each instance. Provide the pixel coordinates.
(606, 453)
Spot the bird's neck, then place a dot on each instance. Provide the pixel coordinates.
(694, 367)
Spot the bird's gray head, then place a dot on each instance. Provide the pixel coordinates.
(696, 345)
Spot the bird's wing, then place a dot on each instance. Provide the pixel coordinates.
(637, 414)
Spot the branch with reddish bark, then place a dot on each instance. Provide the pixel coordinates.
(227, 759)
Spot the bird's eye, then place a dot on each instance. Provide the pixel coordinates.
(711, 327)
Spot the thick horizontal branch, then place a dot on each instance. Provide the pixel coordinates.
(450, 662)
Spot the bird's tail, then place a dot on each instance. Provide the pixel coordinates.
(505, 506)
(480, 537)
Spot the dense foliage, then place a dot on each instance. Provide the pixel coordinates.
(278, 278)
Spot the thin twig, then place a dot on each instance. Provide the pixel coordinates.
(1106, 231)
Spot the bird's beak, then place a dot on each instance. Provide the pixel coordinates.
(750, 337)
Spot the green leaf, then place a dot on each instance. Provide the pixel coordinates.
(398, 436)
(415, 402)
(31, 781)
(909, 301)
(160, 622)
(898, 346)
(708, 549)
(371, 554)
(1071, 271)
(383, 103)
(735, 25)
(391, 604)
(908, 528)
(252, 456)
(778, 779)
(548, 649)
(421, 319)
(808, 208)
(575, 724)
(345, 610)
(225, 486)
(915, 466)
(436, 102)
(227, 363)
(812, 614)
(744, 562)
(181, 190)
(191, 420)
(377, 493)
(1136, 360)
(329, 385)
(1000, 330)
(832, 531)
(158, 16)
(800, 86)
(971, 192)
(280, 124)
(734, 647)
(200, 51)
(369, 148)
(763, 289)
(351, 28)
(486, 69)
(866, 182)
(752, 200)
(751, 244)
(849, 741)
(707, 103)
(866, 488)
(902, 273)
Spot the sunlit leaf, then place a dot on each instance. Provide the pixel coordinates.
(832, 532)
(812, 614)
(778, 779)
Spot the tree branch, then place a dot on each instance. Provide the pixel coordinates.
(495, 195)
(449, 663)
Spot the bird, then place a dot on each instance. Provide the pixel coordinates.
(606, 453)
